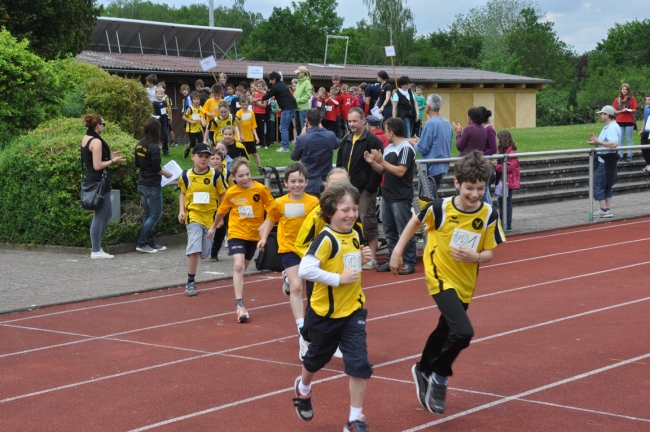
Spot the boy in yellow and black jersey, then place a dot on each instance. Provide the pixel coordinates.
(213, 132)
(201, 190)
(194, 122)
(462, 231)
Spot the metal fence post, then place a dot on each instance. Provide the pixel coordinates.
(591, 185)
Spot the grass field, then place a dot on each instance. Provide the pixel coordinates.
(528, 140)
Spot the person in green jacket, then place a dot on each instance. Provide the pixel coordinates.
(303, 95)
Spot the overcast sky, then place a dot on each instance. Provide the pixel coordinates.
(580, 24)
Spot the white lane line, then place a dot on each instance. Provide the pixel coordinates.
(388, 363)
(595, 228)
(569, 407)
(528, 392)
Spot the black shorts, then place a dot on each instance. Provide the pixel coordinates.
(349, 334)
(245, 247)
(289, 259)
(250, 147)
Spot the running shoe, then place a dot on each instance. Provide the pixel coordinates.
(286, 288)
(186, 153)
(159, 248)
(435, 398)
(338, 353)
(304, 347)
(242, 314)
(190, 289)
(358, 425)
(146, 249)
(370, 265)
(303, 405)
(282, 150)
(607, 214)
(599, 213)
(383, 268)
(101, 255)
(421, 384)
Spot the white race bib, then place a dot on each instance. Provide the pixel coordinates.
(319, 104)
(463, 238)
(163, 111)
(237, 105)
(352, 261)
(201, 198)
(246, 116)
(196, 117)
(294, 210)
(246, 211)
(329, 107)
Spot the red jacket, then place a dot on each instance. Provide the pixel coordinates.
(512, 170)
(379, 133)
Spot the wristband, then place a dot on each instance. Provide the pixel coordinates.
(479, 258)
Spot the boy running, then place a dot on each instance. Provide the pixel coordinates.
(462, 231)
(194, 120)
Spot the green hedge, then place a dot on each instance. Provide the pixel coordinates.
(39, 200)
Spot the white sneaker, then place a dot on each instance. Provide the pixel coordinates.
(370, 265)
(304, 346)
(146, 249)
(647, 168)
(286, 288)
(599, 213)
(338, 353)
(101, 255)
(607, 214)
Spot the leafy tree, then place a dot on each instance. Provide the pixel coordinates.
(449, 48)
(625, 45)
(237, 17)
(54, 28)
(391, 23)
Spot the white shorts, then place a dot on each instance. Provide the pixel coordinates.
(198, 240)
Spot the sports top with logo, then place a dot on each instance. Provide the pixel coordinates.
(194, 114)
(290, 214)
(311, 227)
(336, 252)
(247, 124)
(217, 124)
(246, 208)
(478, 230)
(202, 193)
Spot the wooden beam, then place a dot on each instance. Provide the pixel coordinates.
(454, 85)
(478, 85)
(520, 86)
(537, 86)
(434, 85)
(500, 85)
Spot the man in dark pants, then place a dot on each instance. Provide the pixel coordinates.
(287, 104)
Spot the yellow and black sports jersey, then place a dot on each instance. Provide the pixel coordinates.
(194, 114)
(246, 208)
(312, 226)
(289, 215)
(449, 227)
(202, 193)
(217, 124)
(337, 251)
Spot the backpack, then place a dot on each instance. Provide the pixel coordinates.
(270, 259)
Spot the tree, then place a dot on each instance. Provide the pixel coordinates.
(625, 45)
(237, 17)
(391, 23)
(54, 28)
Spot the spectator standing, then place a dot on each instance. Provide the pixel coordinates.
(150, 82)
(605, 172)
(435, 141)
(315, 149)
(362, 176)
(625, 106)
(370, 95)
(421, 101)
(473, 136)
(385, 92)
(302, 95)
(287, 104)
(373, 124)
(644, 132)
(397, 164)
(160, 113)
(199, 86)
(259, 108)
(404, 105)
(507, 146)
(490, 148)
(147, 160)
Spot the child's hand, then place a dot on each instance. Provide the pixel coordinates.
(463, 254)
(211, 232)
(396, 262)
(366, 255)
(181, 217)
(260, 245)
(257, 140)
(348, 276)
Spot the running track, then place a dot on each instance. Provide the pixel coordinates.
(562, 344)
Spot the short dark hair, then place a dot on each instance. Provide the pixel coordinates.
(334, 194)
(275, 76)
(475, 115)
(151, 131)
(153, 79)
(647, 95)
(295, 167)
(199, 83)
(473, 168)
(195, 95)
(356, 110)
(395, 125)
(383, 75)
(486, 114)
(244, 85)
(216, 89)
(313, 117)
(403, 80)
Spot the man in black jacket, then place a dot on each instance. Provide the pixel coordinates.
(362, 176)
(287, 104)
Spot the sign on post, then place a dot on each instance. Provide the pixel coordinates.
(208, 63)
(255, 72)
(390, 51)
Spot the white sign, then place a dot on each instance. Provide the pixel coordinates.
(255, 72)
(390, 51)
(173, 168)
(208, 63)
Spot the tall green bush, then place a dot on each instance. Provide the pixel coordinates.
(73, 75)
(39, 200)
(120, 100)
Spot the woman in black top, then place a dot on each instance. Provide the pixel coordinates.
(147, 160)
(384, 102)
(97, 157)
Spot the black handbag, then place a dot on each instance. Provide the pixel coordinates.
(92, 191)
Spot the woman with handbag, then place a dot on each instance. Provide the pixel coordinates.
(97, 157)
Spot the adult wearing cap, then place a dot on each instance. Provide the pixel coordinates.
(605, 171)
(303, 95)
(287, 104)
(373, 124)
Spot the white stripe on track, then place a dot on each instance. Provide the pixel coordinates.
(528, 392)
(595, 228)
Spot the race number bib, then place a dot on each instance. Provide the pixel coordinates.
(196, 117)
(463, 238)
(319, 104)
(352, 261)
(246, 116)
(163, 111)
(329, 107)
(294, 210)
(246, 211)
(201, 198)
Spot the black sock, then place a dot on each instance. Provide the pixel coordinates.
(190, 277)
(239, 302)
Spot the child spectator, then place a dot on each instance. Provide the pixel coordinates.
(160, 113)
(289, 212)
(200, 87)
(331, 107)
(213, 132)
(187, 98)
(345, 103)
(246, 202)
(223, 79)
(230, 93)
(150, 82)
(234, 149)
(222, 148)
(234, 102)
(336, 316)
(336, 81)
(217, 163)
(275, 113)
(506, 145)
(245, 87)
(201, 189)
(193, 117)
(422, 102)
(259, 108)
(170, 131)
(451, 272)
(211, 106)
(247, 130)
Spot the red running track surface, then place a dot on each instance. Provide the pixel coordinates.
(562, 344)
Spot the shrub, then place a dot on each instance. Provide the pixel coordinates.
(29, 88)
(39, 200)
(119, 100)
(73, 75)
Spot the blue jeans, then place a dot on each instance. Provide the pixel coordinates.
(601, 190)
(301, 117)
(506, 219)
(487, 199)
(626, 135)
(408, 127)
(285, 122)
(396, 215)
(152, 204)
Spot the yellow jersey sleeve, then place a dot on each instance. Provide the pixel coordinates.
(309, 229)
